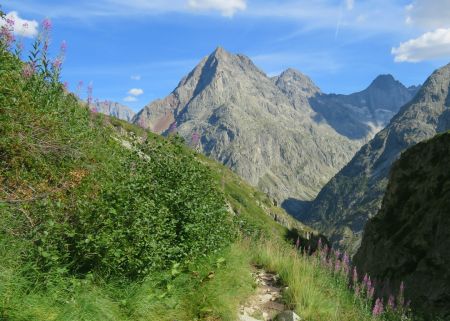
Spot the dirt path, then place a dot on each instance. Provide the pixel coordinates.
(266, 303)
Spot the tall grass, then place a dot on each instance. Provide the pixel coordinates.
(312, 292)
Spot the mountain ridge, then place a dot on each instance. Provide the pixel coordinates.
(248, 123)
(266, 129)
(354, 195)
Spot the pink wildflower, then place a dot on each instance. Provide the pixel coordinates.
(355, 276)
(391, 303)
(57, 63)
(47, 24)
(378, 308)
(63, 47)
(28, 70)
(90, 89)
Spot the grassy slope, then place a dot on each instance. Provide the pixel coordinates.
(210, 288)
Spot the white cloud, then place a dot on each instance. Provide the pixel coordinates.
(349, 4)
(130, 99)
(428, 14)
(227, 7)
(135, 92)
(135, 77)
(430, 45)
(21, 27)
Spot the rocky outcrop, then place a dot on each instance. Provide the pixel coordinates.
(409, 239)
(344, 205)
(113, 109)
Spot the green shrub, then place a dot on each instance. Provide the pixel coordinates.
(83, 201)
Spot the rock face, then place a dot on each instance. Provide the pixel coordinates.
(246, 122)
(114, 109)
(354, 195)
(364, 113)
(409, 239)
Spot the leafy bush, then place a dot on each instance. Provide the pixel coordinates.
(85, 203)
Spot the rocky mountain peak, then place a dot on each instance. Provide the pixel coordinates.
(385, 82)
(292, 80)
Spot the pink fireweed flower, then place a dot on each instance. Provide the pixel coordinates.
(10, 22)
(25, 25)
(319, 244)
(57, 63)
(63, 47)
(47, 24)
(370, 293)
(90, 89)
(28, 70)
(365, 279)
(6, 35)
(391, 302)
(357, 290)
(337, 266)
(355, 276)
(79, 87)
(66, 85)
(378, 308)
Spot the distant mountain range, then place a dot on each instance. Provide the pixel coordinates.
(281, 134)
(113, 109)
(344, 205)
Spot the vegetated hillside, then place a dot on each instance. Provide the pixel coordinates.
(92, 206)
(102, 221)
(409, 239)
(354, 195)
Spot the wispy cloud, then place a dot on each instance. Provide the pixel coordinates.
(130, 99)
(21, 27)
(428, 15)
(227, 7)
(432, 17)
(430, 45)
(135, 92)
(135, 77)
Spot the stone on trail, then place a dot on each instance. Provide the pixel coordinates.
(288, 316)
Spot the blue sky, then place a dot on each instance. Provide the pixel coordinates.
(149, 45)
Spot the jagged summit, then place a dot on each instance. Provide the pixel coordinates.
(292, 82)
(386, 81)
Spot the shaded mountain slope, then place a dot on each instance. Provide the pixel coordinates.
(354, 195)
(409, 239)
